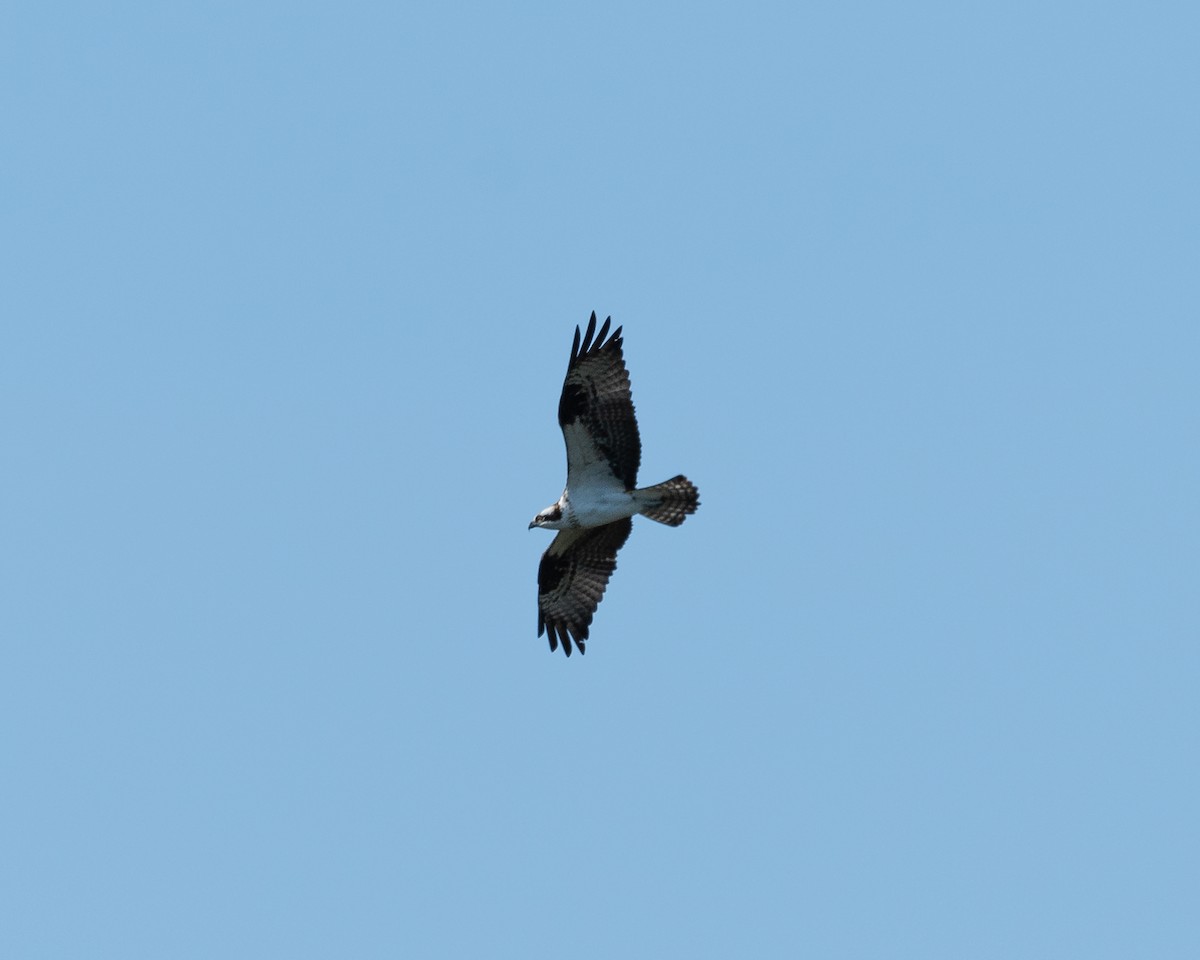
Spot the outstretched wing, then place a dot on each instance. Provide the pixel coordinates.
(571, 579)
(596, 412)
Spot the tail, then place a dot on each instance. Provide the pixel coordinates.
(669, 502)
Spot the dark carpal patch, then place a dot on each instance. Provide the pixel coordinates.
(551, 571)
(573, 403)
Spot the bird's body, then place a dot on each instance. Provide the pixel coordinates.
(594, 513)
(596, 508)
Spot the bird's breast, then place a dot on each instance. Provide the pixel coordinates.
(596, 507)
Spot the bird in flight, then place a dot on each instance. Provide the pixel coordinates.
(594, 515)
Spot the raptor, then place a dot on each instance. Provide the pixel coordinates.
(594, 515)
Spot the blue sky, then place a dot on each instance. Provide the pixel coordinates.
(908, 290)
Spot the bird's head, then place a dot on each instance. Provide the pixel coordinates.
(549, 517)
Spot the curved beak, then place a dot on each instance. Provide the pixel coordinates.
(532, 524)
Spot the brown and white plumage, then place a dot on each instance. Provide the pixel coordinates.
(593, 515)
(596, 408)
(572, 577)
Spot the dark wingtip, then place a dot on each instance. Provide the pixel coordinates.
(587, 340)
(603, 332)
(593, 339)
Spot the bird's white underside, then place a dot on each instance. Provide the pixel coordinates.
(594, 495)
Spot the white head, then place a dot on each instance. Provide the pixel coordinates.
(551, 518)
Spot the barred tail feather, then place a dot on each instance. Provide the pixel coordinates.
(669, 502)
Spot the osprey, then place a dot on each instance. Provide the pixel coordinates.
(594, 514)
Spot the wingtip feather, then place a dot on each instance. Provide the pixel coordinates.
(587, 340)
(591, 339)
(603, 332)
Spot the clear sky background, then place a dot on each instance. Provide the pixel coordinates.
(909, 290)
